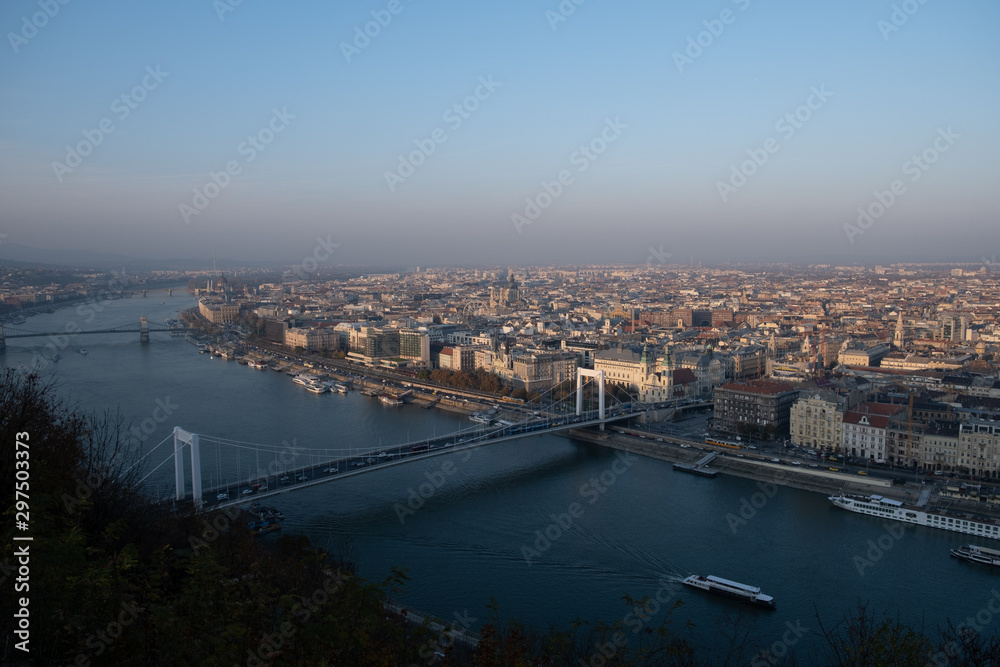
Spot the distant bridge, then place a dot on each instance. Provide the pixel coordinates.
(143, 327)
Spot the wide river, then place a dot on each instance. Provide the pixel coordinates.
(640, 521)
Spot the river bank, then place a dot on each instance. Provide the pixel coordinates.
(815, 481)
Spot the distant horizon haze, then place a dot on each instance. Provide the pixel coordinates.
(524, 133)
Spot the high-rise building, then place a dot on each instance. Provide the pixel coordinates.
(954, 326)
(415, 345)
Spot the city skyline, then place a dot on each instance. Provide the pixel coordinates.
(558, 133)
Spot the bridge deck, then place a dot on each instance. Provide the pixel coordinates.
(400, 454)
(7, 332)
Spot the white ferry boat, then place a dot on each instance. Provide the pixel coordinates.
(976, 554)
(895, 510)
(731, 589)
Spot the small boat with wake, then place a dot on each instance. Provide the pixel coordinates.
(731, 589)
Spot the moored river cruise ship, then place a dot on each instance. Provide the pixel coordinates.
(895, 510)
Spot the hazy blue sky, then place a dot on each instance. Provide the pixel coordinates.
(673, 129)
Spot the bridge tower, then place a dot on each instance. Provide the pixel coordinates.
(580, 373)
(143, 330)
(182, 437)
(3, 340)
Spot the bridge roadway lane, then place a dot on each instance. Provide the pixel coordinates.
(371, 461)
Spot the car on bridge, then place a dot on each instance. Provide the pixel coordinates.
(222, 496)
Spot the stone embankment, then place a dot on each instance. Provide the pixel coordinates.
(800, 477)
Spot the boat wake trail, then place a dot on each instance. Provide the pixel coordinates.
(659, 566)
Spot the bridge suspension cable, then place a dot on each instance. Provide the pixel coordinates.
(146, 455)
(169, 458)
(271, 449)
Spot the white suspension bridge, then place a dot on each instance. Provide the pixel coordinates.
(289, 468)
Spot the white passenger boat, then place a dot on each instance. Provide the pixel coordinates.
(977, 554)
(730, 589)
(894, 510)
